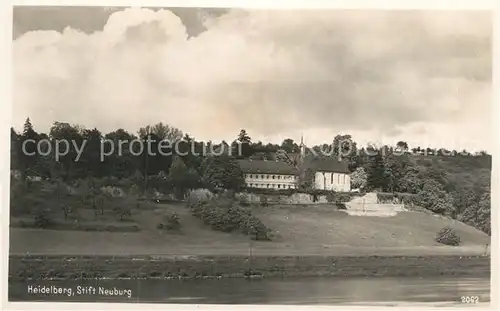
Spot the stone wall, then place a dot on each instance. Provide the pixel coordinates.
(296, 198)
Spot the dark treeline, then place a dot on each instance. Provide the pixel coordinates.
(447, 182)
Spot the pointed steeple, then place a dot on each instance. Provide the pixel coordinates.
(302, 147)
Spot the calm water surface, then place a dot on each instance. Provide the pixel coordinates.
(314, 290)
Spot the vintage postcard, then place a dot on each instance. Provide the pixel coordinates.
(251, 156)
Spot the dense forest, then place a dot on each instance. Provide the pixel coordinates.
(448, 182)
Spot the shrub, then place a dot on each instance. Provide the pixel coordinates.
(448, 236)
(253, 227)
(341, 206)
(26, 204)
(225, 215)
(263, 201)
(123, 212)
(42, 219)
(385, 197)
(337, 197)
(243, 198)
(397, 197)
(196, 195)
(170, 222)
(331, 197)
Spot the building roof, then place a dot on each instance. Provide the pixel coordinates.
(266, 167)
(329, 164)
(317, 164)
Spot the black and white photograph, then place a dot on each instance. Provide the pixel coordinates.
(250, 156)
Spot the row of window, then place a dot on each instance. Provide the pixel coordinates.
(340, 179)
(271, 176)
(274, 186)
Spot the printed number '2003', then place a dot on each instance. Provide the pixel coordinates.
(470, 299)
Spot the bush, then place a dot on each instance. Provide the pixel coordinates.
(243, 198)
(338, 197)
(341, 206)
(196, 195)
(397, 197)
(263, 201)
(227, 216)
(170, 223)
(123, 212)
(26, 204)
(448, 236)
(42, 219)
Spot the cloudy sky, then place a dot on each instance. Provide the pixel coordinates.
(381, 76)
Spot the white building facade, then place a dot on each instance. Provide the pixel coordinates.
(328, 173)
(268, 174)
(271, 181)
(338, 182)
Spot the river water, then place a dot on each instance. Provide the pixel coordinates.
(304, 291)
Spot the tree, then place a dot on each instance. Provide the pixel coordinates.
(162, 131)
(434, 198)
(478, 214)
(306, 178)
(122, 211)
(153, 162)
(181, 177)
(484, 213)
(258, 147)
(61, 192)
(189, 150)
(290, 146)
(14, 150)
(72, 135)
(123, 165)
(138, 178)
(464, 153)
(91, 157)
(246, 145)
(359, 178)
(243, 137)
(410, 182)
(402, 146)
(343, 148)
(28, 156)
(394, 170)
(465, 200)
(376, 172)
(222, 172)
(282, 155)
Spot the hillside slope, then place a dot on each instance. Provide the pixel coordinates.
(302, 230)
(321, 225)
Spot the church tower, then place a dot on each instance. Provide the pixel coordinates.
(302, 148)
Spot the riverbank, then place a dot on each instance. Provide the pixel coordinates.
(26, 267)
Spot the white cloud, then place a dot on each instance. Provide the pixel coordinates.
(275, 73)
